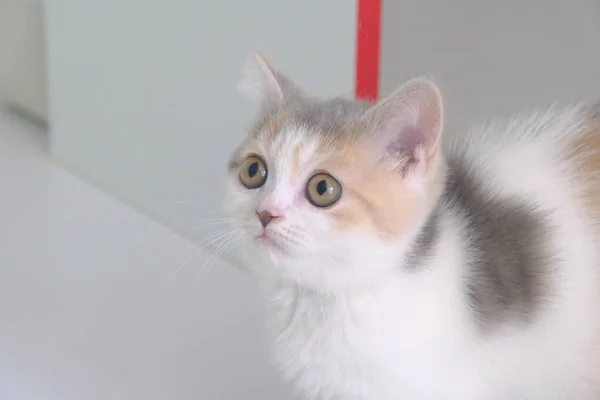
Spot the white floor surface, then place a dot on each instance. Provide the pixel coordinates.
(88, 309)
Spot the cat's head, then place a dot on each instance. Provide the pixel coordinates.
(330, 192)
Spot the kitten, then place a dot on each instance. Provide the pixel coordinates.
(398, 263)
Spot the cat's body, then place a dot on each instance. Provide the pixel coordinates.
(530, 339)
(466, 268)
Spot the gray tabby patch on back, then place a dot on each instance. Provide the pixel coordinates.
(510, 264)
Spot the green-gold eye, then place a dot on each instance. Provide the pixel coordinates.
(323, 190)
(253, 172)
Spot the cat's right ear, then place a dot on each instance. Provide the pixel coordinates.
(265, 85)
(407, 126)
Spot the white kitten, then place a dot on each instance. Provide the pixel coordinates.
(398, 263)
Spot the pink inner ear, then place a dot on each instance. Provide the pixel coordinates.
(429, 122)
(403, 142)
(410, 119)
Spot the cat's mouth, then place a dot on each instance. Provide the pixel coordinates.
(263, 237)
(267, 241)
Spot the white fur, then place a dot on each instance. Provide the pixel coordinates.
(348, 323)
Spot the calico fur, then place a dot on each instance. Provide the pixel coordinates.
(456, 265)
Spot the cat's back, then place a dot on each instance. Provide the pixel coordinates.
(555, 132)
(530, 191)
(549, 160)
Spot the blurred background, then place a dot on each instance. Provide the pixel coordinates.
(116, 123)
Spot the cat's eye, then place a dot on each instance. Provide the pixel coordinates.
(323, 190)
(253, 173)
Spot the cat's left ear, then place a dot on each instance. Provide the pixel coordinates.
(407, 126)
(264, 84)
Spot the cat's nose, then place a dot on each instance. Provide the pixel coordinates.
(265, 217)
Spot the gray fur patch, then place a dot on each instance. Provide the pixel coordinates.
(321, 117)
(507, 243)
(425, 242)
(330, 115)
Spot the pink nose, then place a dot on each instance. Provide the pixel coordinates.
(265, 217)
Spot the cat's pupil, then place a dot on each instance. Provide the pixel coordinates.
(253, 169)
(322, 187)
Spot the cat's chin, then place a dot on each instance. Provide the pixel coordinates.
(267, 244)
(268, 253)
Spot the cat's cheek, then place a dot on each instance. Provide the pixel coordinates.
(233, 199)
(239, 201)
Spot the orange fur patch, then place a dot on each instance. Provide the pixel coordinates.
(585, 150)
(373, 197)
(296, 161)
(273, 124)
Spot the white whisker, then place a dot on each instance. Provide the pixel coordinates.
(218, 251)
(182, 266)
(215, 237)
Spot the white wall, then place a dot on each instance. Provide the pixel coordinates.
(22, 64)
(144, 95)
(144, 103)
(96, 303)
(494, 58)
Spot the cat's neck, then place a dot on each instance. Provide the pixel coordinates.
(430, 297)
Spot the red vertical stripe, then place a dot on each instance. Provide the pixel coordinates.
(368, 45)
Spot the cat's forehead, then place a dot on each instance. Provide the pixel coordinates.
(296, 151)
(329, 119)
(301, 135)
